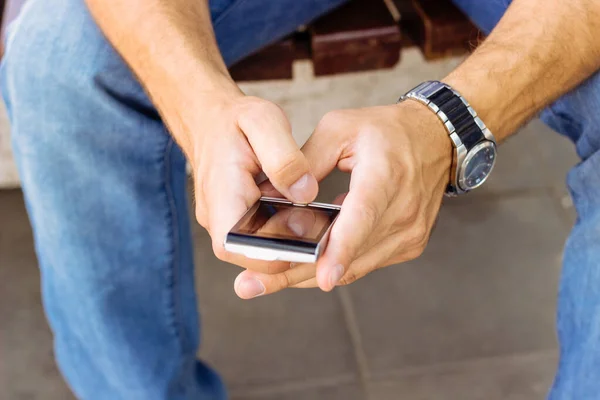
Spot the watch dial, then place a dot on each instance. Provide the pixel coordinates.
(478, 167)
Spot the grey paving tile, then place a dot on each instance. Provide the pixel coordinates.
(332, 186)
(290, 336)
(523, 377)
(565, 203)
(535, 157)
(27, 363)
(346, 391)
(485, 286)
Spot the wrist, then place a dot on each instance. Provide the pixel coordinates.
(434, 147)
(487, 100)
(474, 146)
(190, 110)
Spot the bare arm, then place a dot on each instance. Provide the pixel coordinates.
(171, 47)
(228, 138)
(539, 51)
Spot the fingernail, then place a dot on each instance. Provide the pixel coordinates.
(335, 275)
(302, 189)
(293, 265)
(251, 287)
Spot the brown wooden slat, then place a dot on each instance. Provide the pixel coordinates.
(272, 62)
(359, 36)
(438, 27)
(2, 22)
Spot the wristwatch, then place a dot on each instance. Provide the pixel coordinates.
(474, 145)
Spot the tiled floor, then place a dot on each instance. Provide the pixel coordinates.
(471, 319)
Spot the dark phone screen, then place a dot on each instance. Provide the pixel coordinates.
(286, 221)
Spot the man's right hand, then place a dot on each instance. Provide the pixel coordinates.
(229, 138)
(231, 141)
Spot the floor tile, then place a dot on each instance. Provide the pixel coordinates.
(523, 377)
(8, 168)
(565, 203)
(345, 391)
(27, 361)
(485, 286)
(535, 157)
(294, 335)
(335, 184)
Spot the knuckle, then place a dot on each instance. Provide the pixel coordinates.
(287, 167)
(414, 253)
(348, 278)
(254, 111)
(419, 237)
(367, 213)
(410, 212)
(330, 121)
(269, 108)
(283, 281)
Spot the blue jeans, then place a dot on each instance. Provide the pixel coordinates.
(105, 190)
(577, 116)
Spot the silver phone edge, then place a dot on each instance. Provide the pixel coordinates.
(314, 204)
(281, 255)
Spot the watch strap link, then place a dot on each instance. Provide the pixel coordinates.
(464, 127)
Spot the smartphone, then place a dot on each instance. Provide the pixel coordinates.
(277, 229)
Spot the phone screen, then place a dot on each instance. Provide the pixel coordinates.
(286, 221)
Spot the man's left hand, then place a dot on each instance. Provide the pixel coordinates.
(399, 157)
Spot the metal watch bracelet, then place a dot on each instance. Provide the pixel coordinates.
(423, 93)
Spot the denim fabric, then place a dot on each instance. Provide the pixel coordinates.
(105, 190)
(577, 116)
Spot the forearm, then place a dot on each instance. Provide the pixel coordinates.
(539, 51)
(170, 46)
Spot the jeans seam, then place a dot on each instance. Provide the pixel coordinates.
(226, 12)
(173, 307)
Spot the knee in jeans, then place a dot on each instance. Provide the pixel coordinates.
(58, 70)
(52, 43)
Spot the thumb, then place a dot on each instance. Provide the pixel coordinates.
(326, 144)
(357, 222)
(268, 131)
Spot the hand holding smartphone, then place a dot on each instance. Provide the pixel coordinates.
(277, 229)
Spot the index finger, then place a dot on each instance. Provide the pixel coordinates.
(232, 193)
(269, 133)
(357, 222)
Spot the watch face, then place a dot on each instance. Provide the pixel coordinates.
(477, 165)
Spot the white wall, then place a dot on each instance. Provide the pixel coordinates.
(8, 171)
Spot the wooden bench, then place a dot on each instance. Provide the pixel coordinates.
(360, 35)
(365, 35)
